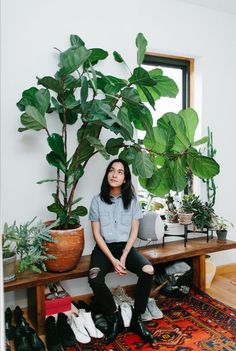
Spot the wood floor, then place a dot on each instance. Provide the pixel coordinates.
(221, 288)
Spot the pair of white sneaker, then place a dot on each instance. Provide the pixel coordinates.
(83, 326)
(152, 311)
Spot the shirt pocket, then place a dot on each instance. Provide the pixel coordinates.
(125, 219)
(104, 218)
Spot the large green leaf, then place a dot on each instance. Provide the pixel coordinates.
(190, 119)
(144, 91)
(141, 44)
(70, 101)
(117, 57)
(143, 165)
(127, 127)
(130, 96)
(28, 98)
(56, 208)
(69, 115)
(113, 145)
(201, 141)
(158, 184)
(42, 102)
(55, 141)
(202, 166)
(181, 141)
(55, 161)
(128, 154)
(33, 119)
(75, 40)
(163, 139)
(83, 92)
(177, 175)
(98, 146)
(97, 55)
(51, 83)
(141, 77)
(80, 211)
(166, 86)
(73, 58)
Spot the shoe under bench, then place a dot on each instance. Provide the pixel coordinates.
(36, 283)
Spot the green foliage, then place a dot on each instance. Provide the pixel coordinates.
(220, 223)
(80, 95)
(28, 242)
(202, 212)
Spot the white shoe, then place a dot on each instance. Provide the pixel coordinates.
(89, 324)
(79, 330)
(155, 312)
(126, 313)
(146, 316)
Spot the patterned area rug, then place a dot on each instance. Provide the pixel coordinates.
(196, 322)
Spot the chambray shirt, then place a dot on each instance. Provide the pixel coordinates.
(115, 220)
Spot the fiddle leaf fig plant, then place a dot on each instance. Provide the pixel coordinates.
(82, 96)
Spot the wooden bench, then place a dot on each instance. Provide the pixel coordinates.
(175, 250)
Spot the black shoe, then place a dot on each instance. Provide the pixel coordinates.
(10, 329)
(116, 326)
(18, 314)
(21, 343)
(82, 305)
(52, 337)
(137, 326)
(34, 340)
(67, 335)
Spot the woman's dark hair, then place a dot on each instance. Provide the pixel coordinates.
(127, 189)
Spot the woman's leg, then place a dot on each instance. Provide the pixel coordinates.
(139, 265)
(99, 267)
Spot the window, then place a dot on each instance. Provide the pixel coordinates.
(180, 69)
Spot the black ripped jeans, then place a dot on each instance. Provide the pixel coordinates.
(134, 263)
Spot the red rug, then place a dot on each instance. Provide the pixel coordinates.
(196, 322)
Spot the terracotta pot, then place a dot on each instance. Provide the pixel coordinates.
(67, 250)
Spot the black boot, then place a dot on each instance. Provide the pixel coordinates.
(52, 336)
(10, 329)
(137, 326)
(116, 326)
(65, 332)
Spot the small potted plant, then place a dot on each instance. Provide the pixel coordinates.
(9, 252)
(27, 243)
(221, 226)
(188, 206)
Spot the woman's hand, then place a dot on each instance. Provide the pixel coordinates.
(119, 267)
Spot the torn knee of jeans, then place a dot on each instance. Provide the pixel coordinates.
(148, 269)
(93, 273)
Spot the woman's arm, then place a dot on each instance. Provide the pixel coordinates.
(118, 266)
(132, 238)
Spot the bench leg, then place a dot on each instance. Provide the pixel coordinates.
(36, 307)
(199, 267)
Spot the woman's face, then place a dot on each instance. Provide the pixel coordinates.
(116, 175)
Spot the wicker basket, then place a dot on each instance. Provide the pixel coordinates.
(185, 218)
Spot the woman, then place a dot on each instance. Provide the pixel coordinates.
(115, 215)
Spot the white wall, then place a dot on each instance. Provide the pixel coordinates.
(30, 30)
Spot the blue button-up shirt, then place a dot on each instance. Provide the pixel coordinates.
(115, 220)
